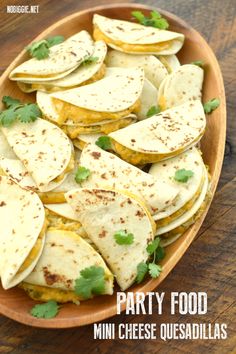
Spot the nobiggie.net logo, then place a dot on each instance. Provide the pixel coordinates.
(22, 9)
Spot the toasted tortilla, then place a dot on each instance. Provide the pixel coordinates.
(22, 218)
(51, 273)
(162, 136)
(62, 60)
(184, 84)
(130, 37)
(154, 70)
(43, 149)
(84, 74)
(102, 213)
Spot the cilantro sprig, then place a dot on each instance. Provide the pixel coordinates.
(15, 110)
(48, 310)
(104, 142)
(90, 60)
(122, 237)
(156, 252)
(199, 63)
(152, 111)
(183, 175)
(91, 282)
(82, 174)
(211, 105)
(155, 19)
(40, 50)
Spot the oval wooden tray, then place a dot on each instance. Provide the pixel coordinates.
(15, 303)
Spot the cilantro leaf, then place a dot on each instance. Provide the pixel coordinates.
(48, 310)
(154, 270)
(152, 111)
(82, 174)
(10, 102)
(55, 40)
(199, 63)
(183, 175)
(155, 19)
(7, 117)
(160, 253)
(28, 113)
(123, 238)
(104, 142)
(91, 281)
(90, 60)
(211, 105)
(151, 247)
(142, 269)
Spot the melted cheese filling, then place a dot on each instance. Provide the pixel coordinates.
(138, 48)
(35, 250)
(52, 197)
(141, 158)
(162, 103)
(74, 131)
(83, 115)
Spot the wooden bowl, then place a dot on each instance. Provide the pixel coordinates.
(15, 303)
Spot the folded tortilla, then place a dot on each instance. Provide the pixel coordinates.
(189, 191)
(62, 60)
(22, 234)
(130, 37)
(153, 68)
(171, 62)
(110, 98)
(53, 279)
(162, 136)
(44, 153)
(104, 212)
(148, 99)
(83, 75)
(184, 84)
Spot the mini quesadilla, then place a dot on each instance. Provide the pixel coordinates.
(130, 37)
(171, 62)
(162, 136)
(44, 154)
(53, 279)
(184, 84)
(111, 98)
(86, 73)
(82, 140)
(103, 213)
(188, 191)
(63, 59)
(23, 227)
(109, 171)
(154, 70)
(148, 99)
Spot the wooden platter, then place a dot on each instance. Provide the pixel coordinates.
(15, 303)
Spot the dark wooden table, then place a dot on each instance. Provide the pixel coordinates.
(209, 264)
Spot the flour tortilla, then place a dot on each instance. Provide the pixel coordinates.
(76, 254)
(22, 218)
(154, 70)
(63, 59)
(43, 149)
(184, 84)
(163, 135)
(109, 171)
(148, 99)
(171, 62)
(77, 77)
(165, 171)
(104, 212)
(136, 34)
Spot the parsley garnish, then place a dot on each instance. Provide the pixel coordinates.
(90, 60)
(104, 142)
(23, 112)
(91, 281)
(211, 105)
(199, 63)
(183, 175)
(155, 19)
(157, 252)
(40, 49)
(152, 111)
(82, 174)
(123, 238)
(48, 310)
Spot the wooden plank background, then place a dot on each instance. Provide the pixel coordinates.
(209, 264)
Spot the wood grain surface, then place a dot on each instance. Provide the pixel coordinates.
(209, 263)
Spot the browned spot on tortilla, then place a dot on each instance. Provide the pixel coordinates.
(96, 155)
(102, 234)
(2, 204)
